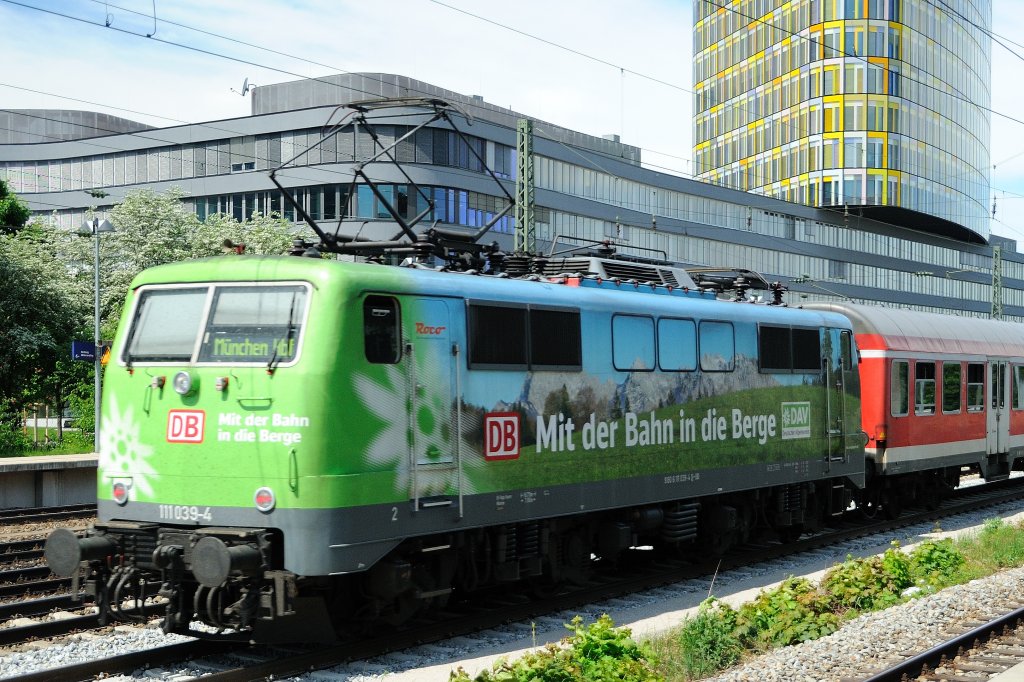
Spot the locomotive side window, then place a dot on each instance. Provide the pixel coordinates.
(785, 349)
(1018, 387)
(775, 349)
(555, 341)
(677, 345)
(153, 338)
(717, 347)
(951, 387)
(899, 388)
(518, 337)
(806, 350)
(924, 388)
(497, 336)
(382, 326)
(975, 387)
(633, 343)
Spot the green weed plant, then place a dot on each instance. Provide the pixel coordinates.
(599, 652)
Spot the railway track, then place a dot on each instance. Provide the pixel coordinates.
(264, 663)
(9, 517)
(974, 653)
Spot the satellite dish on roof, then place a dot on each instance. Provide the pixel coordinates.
(246, 87)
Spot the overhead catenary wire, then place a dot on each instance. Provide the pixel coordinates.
(212, 53)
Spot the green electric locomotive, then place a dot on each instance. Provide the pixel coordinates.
(305, 442)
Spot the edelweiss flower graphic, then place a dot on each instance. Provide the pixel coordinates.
(122, 452)
(430, 436)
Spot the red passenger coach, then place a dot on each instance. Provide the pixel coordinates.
(938, 393)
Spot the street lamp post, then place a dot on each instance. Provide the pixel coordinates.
(95, 227)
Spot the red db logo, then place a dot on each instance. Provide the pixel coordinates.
(185, 426)
(501, 435)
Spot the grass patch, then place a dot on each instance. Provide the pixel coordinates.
(73, 442)
(719, 636)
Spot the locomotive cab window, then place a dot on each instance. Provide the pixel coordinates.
(153, 338)
(254, 324)
(899, 388)
(924, 388)
(223, 323)
(382, 324)
(951, 387)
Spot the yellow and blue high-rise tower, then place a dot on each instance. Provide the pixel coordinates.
(874, 106)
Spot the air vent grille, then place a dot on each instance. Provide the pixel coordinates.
(557, 266)
(623, 270)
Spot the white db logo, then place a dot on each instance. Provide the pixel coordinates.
(185, 426)
(501, 435)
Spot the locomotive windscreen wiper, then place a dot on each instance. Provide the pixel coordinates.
(273, 362)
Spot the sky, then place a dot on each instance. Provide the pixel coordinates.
(595, 66)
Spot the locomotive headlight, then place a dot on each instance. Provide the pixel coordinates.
(185, 384)
(264, 499)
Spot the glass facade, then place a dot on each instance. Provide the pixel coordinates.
(881, 103)
(582, 192)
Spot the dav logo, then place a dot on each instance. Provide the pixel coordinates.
(501, 435)
(185, 426)
(796, 420)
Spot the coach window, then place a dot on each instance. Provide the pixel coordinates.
(924, 388)
(1018, 387)
(497, 336)
(677, 345)
(717, 345)
(899, 387)
(633, 343)
(381, 330)
(555, 341)
(951, 387)
(975, 387)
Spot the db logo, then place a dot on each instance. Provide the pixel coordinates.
(501, 435)
(185, 426)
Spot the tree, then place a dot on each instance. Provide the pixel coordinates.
(40, 312)
(47, 280)
(152, 229)
(14, 213)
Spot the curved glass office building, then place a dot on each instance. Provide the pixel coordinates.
(878, 107)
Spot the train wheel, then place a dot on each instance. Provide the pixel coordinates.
(892, 505)
(790, 534)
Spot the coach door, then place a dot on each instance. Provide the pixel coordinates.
(998, 419)
(432, 410)
(840, 378)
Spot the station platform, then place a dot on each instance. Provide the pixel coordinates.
(47, 480)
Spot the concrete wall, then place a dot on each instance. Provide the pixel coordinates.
(47, 481)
